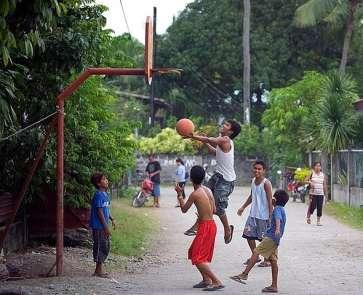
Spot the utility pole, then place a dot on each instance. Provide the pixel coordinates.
(246, 61)
(153, 85)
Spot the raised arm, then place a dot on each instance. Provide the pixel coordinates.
(211, 149)
(222, 141)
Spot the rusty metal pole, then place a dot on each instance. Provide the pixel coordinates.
(60, 181)
(67, 92)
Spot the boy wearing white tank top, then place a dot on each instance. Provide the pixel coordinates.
(260, 199)
(222, 182)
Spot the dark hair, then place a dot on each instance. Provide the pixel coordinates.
(281, 197)
(96, 178)
(260, 162)
(316, 163)
(180, 161)
(235, 127)
(197, 174)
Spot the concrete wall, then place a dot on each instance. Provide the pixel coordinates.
(356, 197)
(168, 166)
(341, 195)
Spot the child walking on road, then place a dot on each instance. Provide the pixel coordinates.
(269, 245)
(201, 250)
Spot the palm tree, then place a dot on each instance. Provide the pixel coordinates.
(333, 123)
(335, 12)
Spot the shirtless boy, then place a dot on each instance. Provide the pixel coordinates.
(201, 250)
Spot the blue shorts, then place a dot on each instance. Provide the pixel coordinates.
(221, 190)
(156, 190)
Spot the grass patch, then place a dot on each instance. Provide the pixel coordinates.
(134, 226)
(350, 216)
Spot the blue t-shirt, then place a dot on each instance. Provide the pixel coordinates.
(277, 213)
(100, 200)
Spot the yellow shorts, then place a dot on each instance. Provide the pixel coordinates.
(268, 249)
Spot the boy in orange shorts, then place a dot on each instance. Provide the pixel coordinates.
(268, 247)
(201, 250)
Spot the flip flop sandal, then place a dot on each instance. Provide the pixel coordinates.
(264, 264)
(231, 235)
(214, 288)
(201, 284)
(239, 279)
(269, 290)
(190, 232)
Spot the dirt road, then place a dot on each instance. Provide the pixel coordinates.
(312, 260)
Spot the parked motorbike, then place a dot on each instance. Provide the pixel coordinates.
(143, 194)
(300, 192)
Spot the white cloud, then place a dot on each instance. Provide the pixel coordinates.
(136, 13)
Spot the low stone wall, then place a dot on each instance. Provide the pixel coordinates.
(341, 195)
(168, 166)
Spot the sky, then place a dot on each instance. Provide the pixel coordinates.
(136, 12)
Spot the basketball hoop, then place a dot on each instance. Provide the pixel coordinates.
(148, 58)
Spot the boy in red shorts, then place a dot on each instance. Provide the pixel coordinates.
(201, 250)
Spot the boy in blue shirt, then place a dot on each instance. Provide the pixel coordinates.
(100, 216)
(268, 247)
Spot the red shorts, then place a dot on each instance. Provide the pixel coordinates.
(201, 250)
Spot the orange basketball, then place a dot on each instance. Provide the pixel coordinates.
(184, 127)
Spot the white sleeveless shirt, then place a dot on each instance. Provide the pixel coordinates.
(225, 163)
(318, 184)
(259, 205)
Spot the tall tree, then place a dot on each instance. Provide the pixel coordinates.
(335, 12)
(246, 61)
(206, 41)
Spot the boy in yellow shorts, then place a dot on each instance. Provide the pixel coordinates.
(268, 247)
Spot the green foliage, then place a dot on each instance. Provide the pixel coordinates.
(315, 11)
(333, 121)
(302, 174)
(351, 216)
(22, 25)
(206, 42)
(167, 141)
(287, 109)
(250, 141)
(96, 137)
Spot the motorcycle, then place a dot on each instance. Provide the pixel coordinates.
(300, 192)
(143, 194)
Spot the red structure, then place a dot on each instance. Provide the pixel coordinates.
(147, 72)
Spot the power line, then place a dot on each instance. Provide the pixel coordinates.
(123, 11)
(200, 77)
(27, 127)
